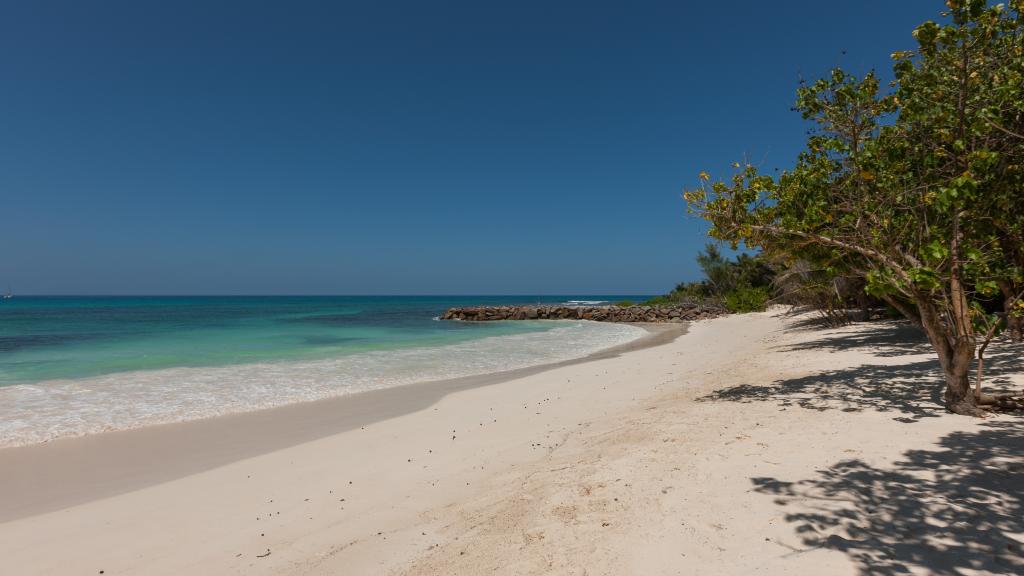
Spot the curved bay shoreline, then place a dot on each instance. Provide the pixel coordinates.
(720, 452)
(35, 478)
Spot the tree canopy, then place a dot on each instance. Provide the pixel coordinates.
(918, 188)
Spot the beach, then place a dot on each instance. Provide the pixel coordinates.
(750, 443)
(560, 288)
(74, 366)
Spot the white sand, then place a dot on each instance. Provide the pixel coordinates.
(621, 465)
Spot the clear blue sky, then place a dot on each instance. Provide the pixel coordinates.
(394, 147)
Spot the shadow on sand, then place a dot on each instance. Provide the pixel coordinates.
(954, 509)
(911, 390)
(946, 511)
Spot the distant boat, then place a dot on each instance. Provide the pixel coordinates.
(9, 294)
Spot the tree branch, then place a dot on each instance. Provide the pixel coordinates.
(1000, 128)
(866, 252)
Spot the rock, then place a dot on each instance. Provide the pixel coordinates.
(671, 313)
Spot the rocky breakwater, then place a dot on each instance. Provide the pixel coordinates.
(676, 313)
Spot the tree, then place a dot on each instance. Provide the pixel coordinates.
(918, 191)
(743, 284)
(829, 292)
(725, 275)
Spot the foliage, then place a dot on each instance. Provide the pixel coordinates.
(916, 191)
(699, 293)
(724, 275)
(625, 303)
(660, 301)
(830, 293)
(743, 279)
(747, 299)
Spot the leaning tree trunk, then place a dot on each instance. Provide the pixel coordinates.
(956, 360)
(956, 356)
(959, 396)
(956, 333)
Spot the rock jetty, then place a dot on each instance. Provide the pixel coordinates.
(676, 313)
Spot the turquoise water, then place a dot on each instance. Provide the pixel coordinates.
(74, 365)
(48, 338)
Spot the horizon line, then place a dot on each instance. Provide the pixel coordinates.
(255, 295)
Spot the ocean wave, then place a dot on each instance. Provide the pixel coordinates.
(584, 302)
(32, 413)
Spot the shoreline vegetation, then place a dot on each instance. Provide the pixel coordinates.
(911, 194)
(741, 284)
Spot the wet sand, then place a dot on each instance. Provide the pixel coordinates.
(35, 479)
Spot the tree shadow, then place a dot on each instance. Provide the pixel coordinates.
(809, 318)
(911, 390)
(885, 339)
(955, 510)
(802, 318)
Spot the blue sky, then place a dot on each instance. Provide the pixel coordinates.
(394, 147)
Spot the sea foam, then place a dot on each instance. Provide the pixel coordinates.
(43, 411)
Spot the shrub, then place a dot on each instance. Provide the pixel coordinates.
(659, 301)
(625, 303)
(744, 300)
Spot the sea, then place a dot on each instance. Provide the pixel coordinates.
(71, 366)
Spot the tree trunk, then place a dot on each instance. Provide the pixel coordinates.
(865, 308)
(1014, 324)
(909, 311)
(1015, 327)
(957, 332)
(955, 356)
(959, 398)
